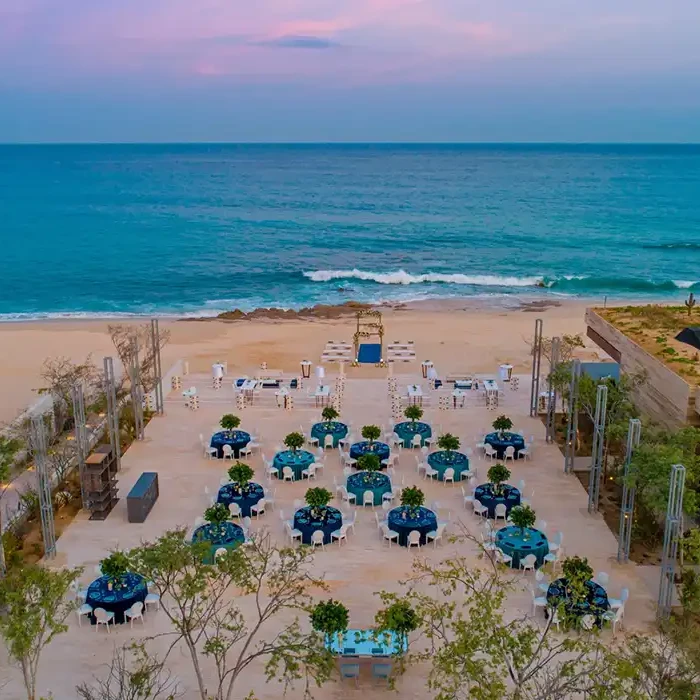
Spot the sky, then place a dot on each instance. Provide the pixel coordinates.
(349, 70)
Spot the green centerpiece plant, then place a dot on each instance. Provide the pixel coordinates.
(114, 567)
(294, 441)
(413, 413)
(217, 515)
(498, 475)
(240, 475)
(229, 422)
(449, 444)
(502, 425)
(370, 466)
(330, 617)
(399, 618)
(329, 414)
(371, 433)
(523, 517)
(412, 498)
(318, 499)
(577, 572)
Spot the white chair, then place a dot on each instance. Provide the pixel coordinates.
(152, 599)
(391, 460)
(616, 603)
(527, 501)
(245, 525)
(554, 618)
(293, 533)
(553, 558)
(500, 512)
(380, 523)
(490, 452)
(468, 497)
(349, 521)
(309, 472)
(227, 451)
(134, 612)
(287, 474)
(271, 470)
(340, 535)
(220, 552)
(525, 452)
(487, 543)
(614, 617)
(430, 472)
(270, 497)
(234, 510)
(414, 539)
(587, 622)
(502, 557)
(389, 535)
(259, 508)
(509, 453)
(429, 441)
(541, 525)
(317, 538)
(209, 451)
(310, 440)
(528, 563)
(347, 496)
(328, 442)
(394, 440)
(245, 452)
(103, 617)
(602, 578)
(435, 535)
(390, 495)
(521, 485)
(556, 541)
(448, 475)
(542, 581)
(537, 601)
(416, 441)
(480, 509)
(84, 609)
(420, 465)
(368, 498)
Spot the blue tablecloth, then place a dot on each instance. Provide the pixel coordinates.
(254, 492)
(442, 460)
(407, 430)
(304, 522)
(596, 602)
(235, 438)
(381, 449)
(226, 535)
(366, 643)
(334, 428)
(485, 495)
(298, 461)
(518, 544)
(118, 599)
(424, 522)
(500, 443)
(378, 484)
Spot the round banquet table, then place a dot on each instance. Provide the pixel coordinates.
(377, 483)
(223, 536)
(424, 521)
(253, 493)
(408, 430)
(442, 460)
(307, 524)
(501, 442)
(336, 429)
(596, 602)
(519, 544)
(486, 496)
(118, 599)
(235, 438)
(381, 449)
(297, 461)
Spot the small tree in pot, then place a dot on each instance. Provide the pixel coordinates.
(450, 444)
(240, 474)
(502, 424)
(294, 441)
(114, 567)
(216, 514)
(229, 422)
(399, 618)
(329, 414)
(577, 572)
(369, 462)
(498, 475)
(371, 433)
(330, 618)
(413, 413)
(412, 498)
(318, 499)
(523, 517)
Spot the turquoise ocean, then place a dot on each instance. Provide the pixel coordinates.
(102, 230)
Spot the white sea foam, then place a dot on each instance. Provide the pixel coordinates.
(684, 284)
(403, 277)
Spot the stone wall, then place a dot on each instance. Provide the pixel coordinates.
(665, 396)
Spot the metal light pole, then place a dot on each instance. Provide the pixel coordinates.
(136, 393)
(81, 438)
(157, 367)
(628, 493)
(112, 410)
(551, 433)
(536, 362)
(674, 512)
(601, 406)
(38, 437)
(572, 427)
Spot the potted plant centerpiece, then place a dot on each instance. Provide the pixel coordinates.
(318, 499)
(498, 475)
(449, 444)
(330, 618)
(502, 425)
(229, 423)
(370, 466)
(413, 413)
(371, 433)
(399, 618)
(294, 441)
(412, 498)
(114, 567)
(523, 517)
(240, 475)
(329, 414)
(577, 572)
(217, 515)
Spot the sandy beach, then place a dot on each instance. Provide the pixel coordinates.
(456, 334)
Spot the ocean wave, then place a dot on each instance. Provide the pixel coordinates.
(672, 246)
(403, 277)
